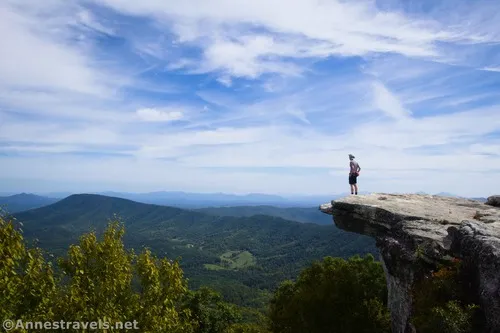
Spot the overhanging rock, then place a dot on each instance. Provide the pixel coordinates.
(412, 228)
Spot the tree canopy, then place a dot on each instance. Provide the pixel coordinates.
(100, 279)
(97, 280)
(334, 295)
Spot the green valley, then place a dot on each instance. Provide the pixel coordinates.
(244, 258)
(299, 214)
(233, 260)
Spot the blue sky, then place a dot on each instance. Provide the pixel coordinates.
(249, 96)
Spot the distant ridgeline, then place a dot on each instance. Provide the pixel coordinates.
(231, 249)
(21, 202)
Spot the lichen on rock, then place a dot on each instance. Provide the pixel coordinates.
(413, 230)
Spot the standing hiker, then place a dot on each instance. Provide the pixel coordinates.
(353, 174)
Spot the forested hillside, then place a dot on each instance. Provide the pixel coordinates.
(24, 201)
(99, 279)
(101, 282)
(299, 214)
(243, 257)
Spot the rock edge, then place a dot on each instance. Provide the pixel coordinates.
(437, 229)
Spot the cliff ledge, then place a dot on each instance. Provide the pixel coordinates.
(412, 229)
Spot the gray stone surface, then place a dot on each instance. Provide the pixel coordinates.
(494, 200)
(412, 228)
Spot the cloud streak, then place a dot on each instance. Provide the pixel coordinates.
(249, 39)
(241, 96)
(157, 115)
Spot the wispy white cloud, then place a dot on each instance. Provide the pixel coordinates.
(243, 96)
(491, 148)
(159, 115)
(299, 114)
(57, 133)
(227, 31)
(87, 19)
(225, 80)
(55, 66)
(387, 102)
(491, 69)
(457, 101)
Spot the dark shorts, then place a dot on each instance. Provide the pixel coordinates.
(353, 179)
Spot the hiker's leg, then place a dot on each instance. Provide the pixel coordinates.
(352, 182)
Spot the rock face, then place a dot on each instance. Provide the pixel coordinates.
(494, 200)
(414, 229)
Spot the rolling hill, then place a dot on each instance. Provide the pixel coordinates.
(202, 200)
(24, 201)
(298, 214)
(243, 257)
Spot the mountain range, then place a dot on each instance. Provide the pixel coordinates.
(24, 201)
(298, 214)
(243, 251)
(201, 200)
(219, 203)
(244, 257)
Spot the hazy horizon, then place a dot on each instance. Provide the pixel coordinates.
(3, 193)
(337, 190)
(243, 194)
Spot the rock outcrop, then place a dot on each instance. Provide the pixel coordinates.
(413, 230)
(494, 201)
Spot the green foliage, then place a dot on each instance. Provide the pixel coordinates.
(98, 279)
(334, 295)
(246, 328)
(101, 279)
(233, 260)
(95, 282)
(452, 318)
(299, 214)
(439, 305)
(26, 281)
(210, 313)
(272, 249)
